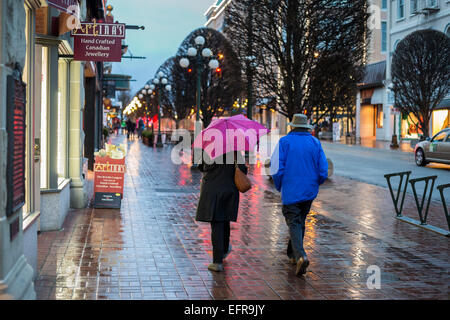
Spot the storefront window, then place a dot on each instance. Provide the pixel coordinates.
(440, 120)
(63, 92)
(26, 77)
(379, 115)
(61, 144)
(410, 128)
(44, 124)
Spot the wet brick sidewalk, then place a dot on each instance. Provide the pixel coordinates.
(153, 249)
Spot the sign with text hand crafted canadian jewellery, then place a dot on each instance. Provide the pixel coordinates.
(95, 41)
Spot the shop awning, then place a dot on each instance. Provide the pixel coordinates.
(445, 104)
(374, 75)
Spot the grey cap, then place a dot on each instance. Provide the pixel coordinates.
(300, 121)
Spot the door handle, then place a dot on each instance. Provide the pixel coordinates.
(37, 150)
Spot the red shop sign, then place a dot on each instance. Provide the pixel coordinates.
(109, 175)
(98, 41)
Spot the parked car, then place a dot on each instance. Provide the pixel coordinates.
(436, 149)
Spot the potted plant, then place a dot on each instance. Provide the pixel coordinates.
(147, 137)
(105, 132)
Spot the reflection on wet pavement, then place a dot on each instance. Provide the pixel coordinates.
(152, 248)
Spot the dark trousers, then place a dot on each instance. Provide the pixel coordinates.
(220, 238)
(295, 216)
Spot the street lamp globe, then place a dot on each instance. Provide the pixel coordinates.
(146, 86)
(199, 41)
(161, 74)
(168, 87)
(213, 64)
(152, 87)
(192, 52)
(184, 62)
(156, 81)
(164, 81)
(144, 91)
(206, 53)
(141, 95)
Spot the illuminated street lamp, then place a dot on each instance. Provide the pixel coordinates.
(160, 84)
(202, 57)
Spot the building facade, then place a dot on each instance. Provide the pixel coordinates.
(371, 123)
(43, 173)
(405, 17)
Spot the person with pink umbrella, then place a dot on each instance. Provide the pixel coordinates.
(223, 166)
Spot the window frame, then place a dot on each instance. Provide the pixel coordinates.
(383, 36)
(429, 5)
(401, 4)
(413, 13)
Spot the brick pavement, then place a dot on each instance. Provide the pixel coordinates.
(153, 249)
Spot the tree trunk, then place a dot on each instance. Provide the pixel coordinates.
(424, 122)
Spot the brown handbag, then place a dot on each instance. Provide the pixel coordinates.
(242, 182)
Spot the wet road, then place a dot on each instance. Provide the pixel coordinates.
(370, 165)
(152, 248)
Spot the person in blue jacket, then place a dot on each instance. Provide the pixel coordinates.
(298, 167)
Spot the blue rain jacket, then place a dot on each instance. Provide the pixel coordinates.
(298, 166)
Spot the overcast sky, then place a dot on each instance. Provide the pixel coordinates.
(167, 23)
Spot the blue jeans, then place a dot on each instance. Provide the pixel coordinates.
(295, 216)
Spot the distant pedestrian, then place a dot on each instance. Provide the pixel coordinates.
(219, 203)
(129, 124)
(298, 167)
(141, 126)
(124, 126)
(133, 129)
(116, 127)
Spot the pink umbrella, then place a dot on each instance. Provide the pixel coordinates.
(236, 133)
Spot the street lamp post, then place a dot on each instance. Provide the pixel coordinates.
(206, 56)
(394, 140)
(160, 83)
(146, 93)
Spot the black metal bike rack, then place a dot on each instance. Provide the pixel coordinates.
(420, 207)
(423, 205)
(441, 190)
(395, 199)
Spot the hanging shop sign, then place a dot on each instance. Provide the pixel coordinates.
(62, 5)
(109, 172)
(95, 41)
(15, 126)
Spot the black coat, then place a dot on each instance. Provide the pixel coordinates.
(219, 196)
